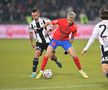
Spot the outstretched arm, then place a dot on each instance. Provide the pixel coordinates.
(31, 39)
(91, 40)
(46, 24)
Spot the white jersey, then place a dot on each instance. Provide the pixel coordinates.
(100, 31)
(40, 34)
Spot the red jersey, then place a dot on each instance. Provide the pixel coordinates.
(63, 30)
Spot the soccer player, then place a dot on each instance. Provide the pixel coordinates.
(65, 27)
(42, 39)
(101, 31)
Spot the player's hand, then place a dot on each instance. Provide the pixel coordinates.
(33, 45)
(83, 52)
(71, 40)
(65, 52)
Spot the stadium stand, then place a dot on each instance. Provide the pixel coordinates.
(15, 11)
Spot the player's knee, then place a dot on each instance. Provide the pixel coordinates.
(35, 61)
(53, 58)
(74, 57)
(106, 74)
(37, 54)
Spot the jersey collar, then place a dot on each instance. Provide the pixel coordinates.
(104, 20)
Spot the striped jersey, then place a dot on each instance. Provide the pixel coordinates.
(40, 34)
(100, 31)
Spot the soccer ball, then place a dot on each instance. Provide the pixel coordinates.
(47, 74)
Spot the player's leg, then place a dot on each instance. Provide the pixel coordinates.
(67, 46)
(46, 56)
(105, 69)
(104, 61)
(52, 46)
(44, 61)
(72, 52)
(38, 51)
(54, 58)
(35, 63)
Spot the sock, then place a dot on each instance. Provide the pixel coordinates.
(44, 62)
(55, 60)
(35, 64)
(77, 62)
(106, 74)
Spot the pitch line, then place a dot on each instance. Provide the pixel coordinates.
(56, 87)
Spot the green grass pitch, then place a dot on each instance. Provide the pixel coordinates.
(16, 61)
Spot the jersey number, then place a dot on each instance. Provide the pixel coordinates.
(104, 28)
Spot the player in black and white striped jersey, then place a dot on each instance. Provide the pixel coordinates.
(101, 30)
(42, 39)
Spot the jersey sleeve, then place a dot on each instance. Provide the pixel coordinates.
(46, 19)
(92, 38)
(30, 27)
(55, 22)
(74, 30)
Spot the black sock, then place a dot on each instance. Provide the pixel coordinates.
(35, 63)
(55, 60)
(106, 74)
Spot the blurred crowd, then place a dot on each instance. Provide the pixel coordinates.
(17, 11)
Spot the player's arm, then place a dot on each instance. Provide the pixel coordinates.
(91, 40)
(46, 24)
(71, 39)
(73, 34)
(54, 22)
(32, 39)
(30, 29)
(53, 25)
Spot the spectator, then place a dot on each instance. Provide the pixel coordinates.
(83, 17)
(18, 9)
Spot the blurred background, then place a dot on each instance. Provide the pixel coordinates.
(16, 53)
(18, 11)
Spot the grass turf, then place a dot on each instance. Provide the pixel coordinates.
(16, 64)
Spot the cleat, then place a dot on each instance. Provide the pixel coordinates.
(39, 75)
(33, 75)
(59, 64)
(83, 74)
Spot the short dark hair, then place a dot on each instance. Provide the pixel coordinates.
(103, 13)
(35, 10)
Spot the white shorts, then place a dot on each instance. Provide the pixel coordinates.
(104, 55)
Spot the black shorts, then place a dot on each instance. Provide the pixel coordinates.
(104, 55)
(42, 47)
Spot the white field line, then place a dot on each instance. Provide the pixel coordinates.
(56, 87)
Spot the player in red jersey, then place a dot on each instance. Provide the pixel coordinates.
(66, 26)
